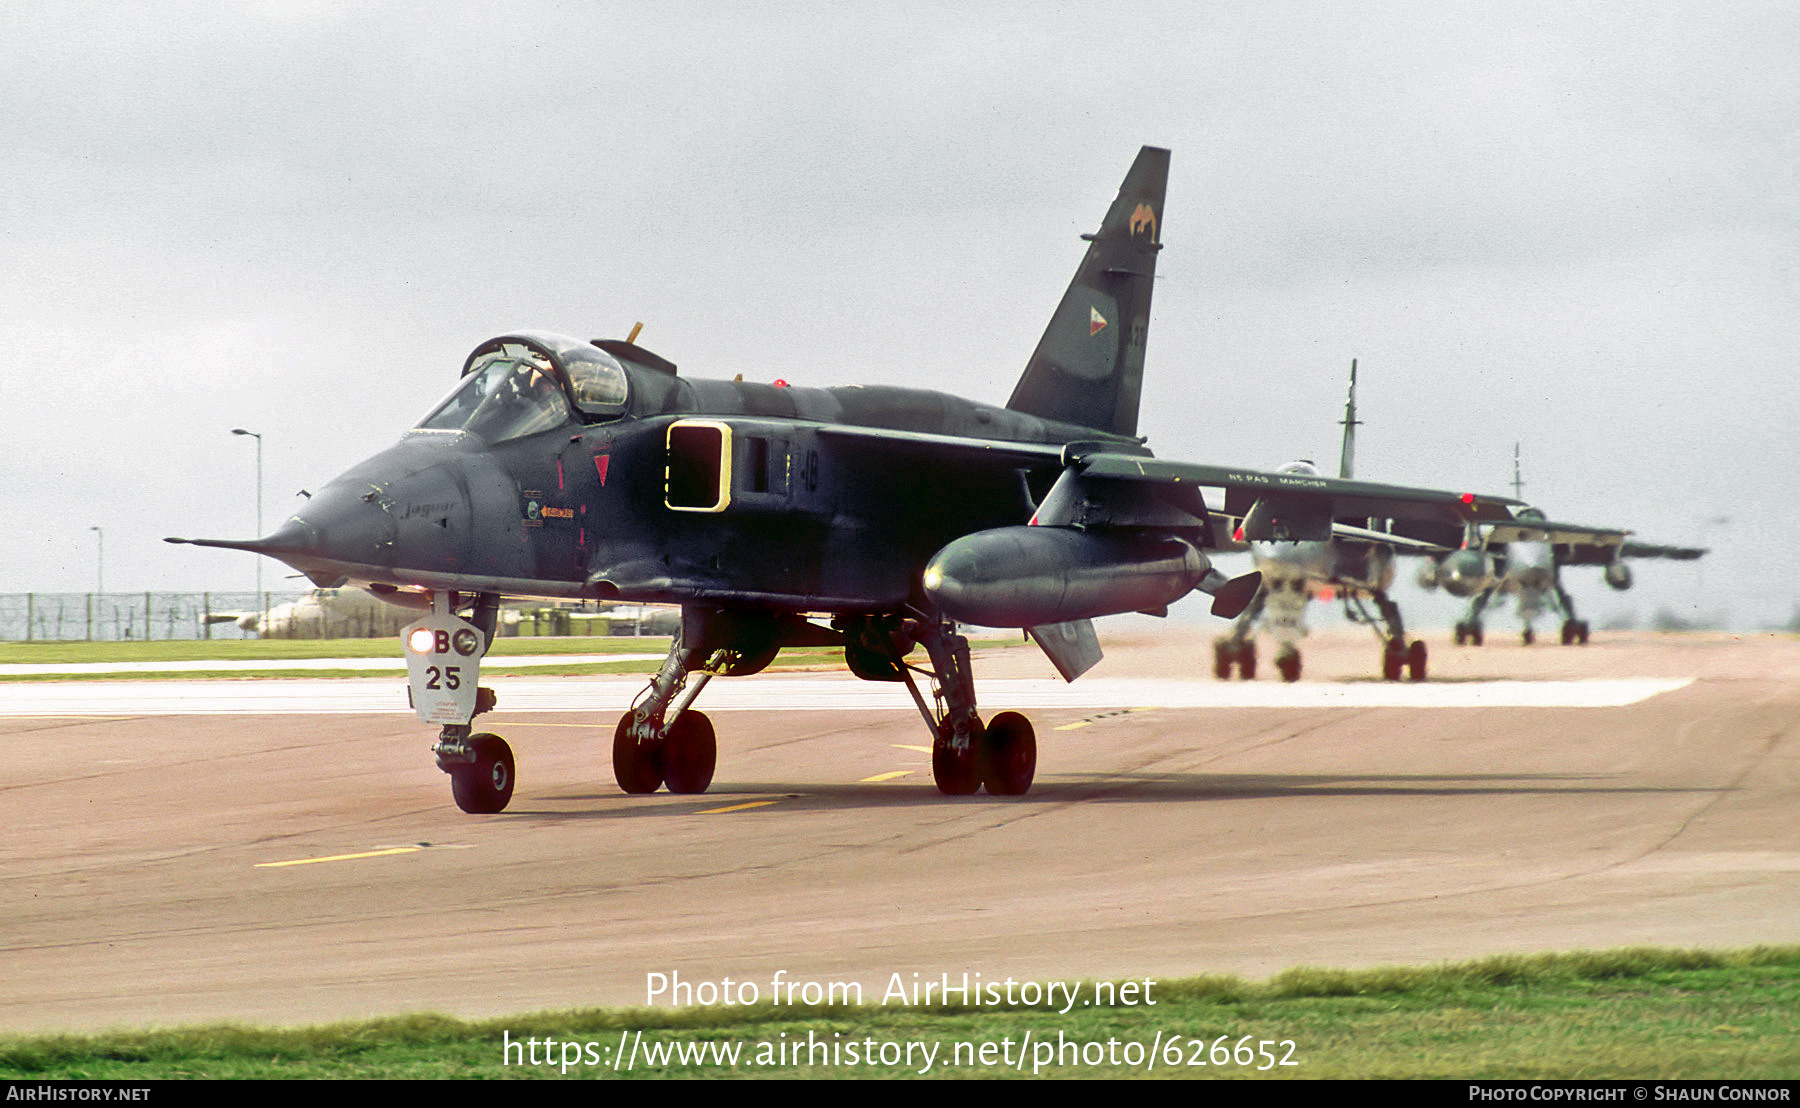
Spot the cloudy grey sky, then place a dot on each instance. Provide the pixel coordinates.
(1574, 226)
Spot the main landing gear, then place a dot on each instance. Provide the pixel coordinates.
(965, 755)
(1239, 648)
(663, 741)
(1574, 631)
(1229, 652)
(1398, 657)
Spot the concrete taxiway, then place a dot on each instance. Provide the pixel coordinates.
(276, 862)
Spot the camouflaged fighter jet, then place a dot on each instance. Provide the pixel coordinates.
(1525, 557)
(874, 519)
(1355, 563)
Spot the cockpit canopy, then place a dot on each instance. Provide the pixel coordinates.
(519, 385)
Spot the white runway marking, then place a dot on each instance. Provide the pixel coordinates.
(784, 694)
(396, 665)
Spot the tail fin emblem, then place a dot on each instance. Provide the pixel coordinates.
(1096, 322)
(1141, 217)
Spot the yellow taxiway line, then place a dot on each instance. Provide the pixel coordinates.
(342, 857)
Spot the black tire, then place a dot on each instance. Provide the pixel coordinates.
(689, 752)
(484, 786)
(1415, 661)
(637, 766)
(1289, 665)
(1528, 636)
(1393, 661)
(1222, 658)
(1247, 661)
(1009, 755)
(957, 771)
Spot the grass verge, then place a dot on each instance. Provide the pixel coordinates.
(1634, 1013)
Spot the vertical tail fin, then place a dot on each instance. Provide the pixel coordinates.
(1088, 368)
(1347, 460)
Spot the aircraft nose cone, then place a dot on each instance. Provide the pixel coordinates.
(344, 523)
(1465, 573)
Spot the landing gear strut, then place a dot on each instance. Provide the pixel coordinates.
(965, 755)
(1228, 653)
(1239, 648)
(443, 661)
(1468, 629)
(661, 739)
(1573, 630)
(1398, 657)
(1287, 660)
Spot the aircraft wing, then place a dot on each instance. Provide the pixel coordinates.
(1293, 505)
(1564, 534)
(1650, 550)
(1101, 485)
(1584, 545)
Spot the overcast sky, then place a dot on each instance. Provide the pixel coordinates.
(1571, 226)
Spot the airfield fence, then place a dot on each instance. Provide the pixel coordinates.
(121, 617)
(137, 616)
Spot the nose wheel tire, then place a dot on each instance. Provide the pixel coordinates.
(689, 753)
(1009, 755)
(484, 786)
(637, 762)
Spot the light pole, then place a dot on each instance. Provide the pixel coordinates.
(100, 573)
(100, 579)
(261, 604)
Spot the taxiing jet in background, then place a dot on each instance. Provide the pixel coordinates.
(1525, 556)
(1356, 563)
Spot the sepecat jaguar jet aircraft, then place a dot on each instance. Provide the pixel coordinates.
(1525, 557)
(873, 519)
(1357, 561)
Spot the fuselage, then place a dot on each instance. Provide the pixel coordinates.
(560, 469)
